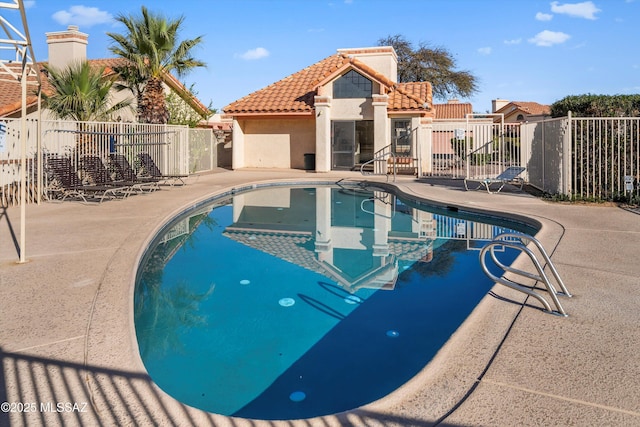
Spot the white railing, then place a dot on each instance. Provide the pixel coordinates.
(584, 158)
(168, 145)
(476, 148)
(606, 157)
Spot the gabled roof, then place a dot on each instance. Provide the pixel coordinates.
(452, 110)
(295, 94)
(11, 91)
(11, 96)
(528, 108)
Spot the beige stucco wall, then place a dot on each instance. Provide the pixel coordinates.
(352, 109)
(381, 58)
(277, 143)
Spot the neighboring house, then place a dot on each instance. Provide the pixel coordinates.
(67, 47)
(449, 116)
(453, 110)
(335, 114)
(516, 111)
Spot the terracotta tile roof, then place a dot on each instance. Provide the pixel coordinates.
(529, 108)
(11, 91)
(452, 110)
(295, 94)
(294, 246)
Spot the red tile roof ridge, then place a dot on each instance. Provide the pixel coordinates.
(400, 88)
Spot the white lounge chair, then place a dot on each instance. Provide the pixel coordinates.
(510, 175)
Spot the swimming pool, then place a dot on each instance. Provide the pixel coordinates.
(290, 302)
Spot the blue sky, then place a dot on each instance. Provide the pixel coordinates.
(524, 50)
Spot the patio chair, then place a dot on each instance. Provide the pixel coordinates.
(98, 174)
(124, 172)
(510, 175)
(150, 168)
(65, 183)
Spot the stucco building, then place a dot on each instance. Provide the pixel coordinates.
(340, 112)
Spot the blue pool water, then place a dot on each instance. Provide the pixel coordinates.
(292, 302)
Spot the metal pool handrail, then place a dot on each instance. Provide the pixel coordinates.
(517, 241)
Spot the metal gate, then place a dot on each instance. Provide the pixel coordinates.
(480, 146)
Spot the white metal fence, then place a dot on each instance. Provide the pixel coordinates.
(605, 157)
(475, 148)
(168, 145)
(584, 158)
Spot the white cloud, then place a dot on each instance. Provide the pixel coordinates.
(252, 54)
(82, 16)
(586, 10)
(28, 4)
(513, 41)
(544, 16)
(484, 51)
(549, 38)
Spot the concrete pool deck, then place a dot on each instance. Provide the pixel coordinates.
(69, 354)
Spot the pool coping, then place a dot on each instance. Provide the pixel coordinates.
(87, 344)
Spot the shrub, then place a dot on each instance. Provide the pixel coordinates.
(597, 106)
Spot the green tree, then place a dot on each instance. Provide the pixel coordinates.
(431, 64)
(82, 93)
(153, 49)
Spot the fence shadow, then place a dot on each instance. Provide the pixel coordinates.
(47, 391)
(4, 216)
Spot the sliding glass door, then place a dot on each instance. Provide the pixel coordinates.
(351, 143)
(343, 143)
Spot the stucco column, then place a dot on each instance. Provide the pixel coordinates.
(381, 123)
(425, 146)
(382, 226)
(238, 206)
(237, 146)
(323, 133)
(323, 245)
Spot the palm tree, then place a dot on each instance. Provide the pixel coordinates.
(153, 50)
(81, 93)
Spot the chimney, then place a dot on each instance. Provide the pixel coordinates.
(497, 104)
(67, 47)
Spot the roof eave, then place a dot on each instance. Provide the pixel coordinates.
(271, 115)
(350, 65)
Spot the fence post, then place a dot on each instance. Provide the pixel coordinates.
(567, 142)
